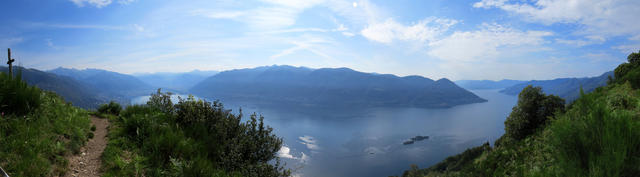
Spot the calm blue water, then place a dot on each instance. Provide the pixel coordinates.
(368, 142)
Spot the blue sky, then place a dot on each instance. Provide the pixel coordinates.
(474, 39)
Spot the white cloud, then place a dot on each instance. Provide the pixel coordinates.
(426, 30)
(126, 2)
(100, 3)
(490, 41)
(310, 44)
(276, 15)
(138, 27)
(348, 34)
(628, 48)
(602, 57)
(309, 141)
(583, 42)
(295, 3)
(96, 3)
(285, 152)
(610, 17)
(219, 14)
(341, 28)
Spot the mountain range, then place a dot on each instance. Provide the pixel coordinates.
(567, 88)
(180, 82)
(113, 84)
(72, 90)
(341, 87)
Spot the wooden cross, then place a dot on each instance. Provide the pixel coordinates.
(10, 62)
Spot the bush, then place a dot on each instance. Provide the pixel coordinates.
(16, 97)
(629, 72)
(458, 162)
(634, 58)
(595, 139)
(161, 101)
(191, 138)
(111, 108)
(532, 111)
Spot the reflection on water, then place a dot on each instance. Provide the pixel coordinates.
(369, 142)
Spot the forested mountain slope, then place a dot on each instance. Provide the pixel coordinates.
(332, 87)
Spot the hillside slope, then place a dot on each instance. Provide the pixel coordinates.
(597, 135)
(567, 88)
(71, 90)
(35, 142)
(332, 87)
(112, 84)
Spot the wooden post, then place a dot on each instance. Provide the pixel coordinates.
(10, 62)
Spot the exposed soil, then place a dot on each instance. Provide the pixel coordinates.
(88, 161)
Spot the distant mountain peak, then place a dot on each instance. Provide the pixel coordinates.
(444, 80)
(567, 88)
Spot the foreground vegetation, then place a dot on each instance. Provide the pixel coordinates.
(597, 135)
(37, 129)
(190, 138)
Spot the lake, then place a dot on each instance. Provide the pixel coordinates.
(369, 142)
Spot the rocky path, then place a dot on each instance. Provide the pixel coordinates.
(88, 161)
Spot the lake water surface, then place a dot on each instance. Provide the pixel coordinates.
(369, 142)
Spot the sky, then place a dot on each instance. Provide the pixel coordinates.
(462, 39)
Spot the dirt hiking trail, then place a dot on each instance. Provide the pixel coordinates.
(88, 161)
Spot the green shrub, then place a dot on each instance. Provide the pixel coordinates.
(111, 108)
(629, 72)
(93, 127)
(622, 70)
(36, 143)
(633, 77)
(161, 101)
(191, 138)
(532, 111)
(594, 139)
(16, 97)
(634, 58)
(458, 162)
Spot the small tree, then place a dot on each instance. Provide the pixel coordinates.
(161, 101)
(629, 72)
(111, 108)
(531, 112)
(634, 58)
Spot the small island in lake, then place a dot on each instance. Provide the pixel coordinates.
(414, 139)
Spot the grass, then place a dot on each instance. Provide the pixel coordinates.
(16, 97)
(35, 143)
(599, 137)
